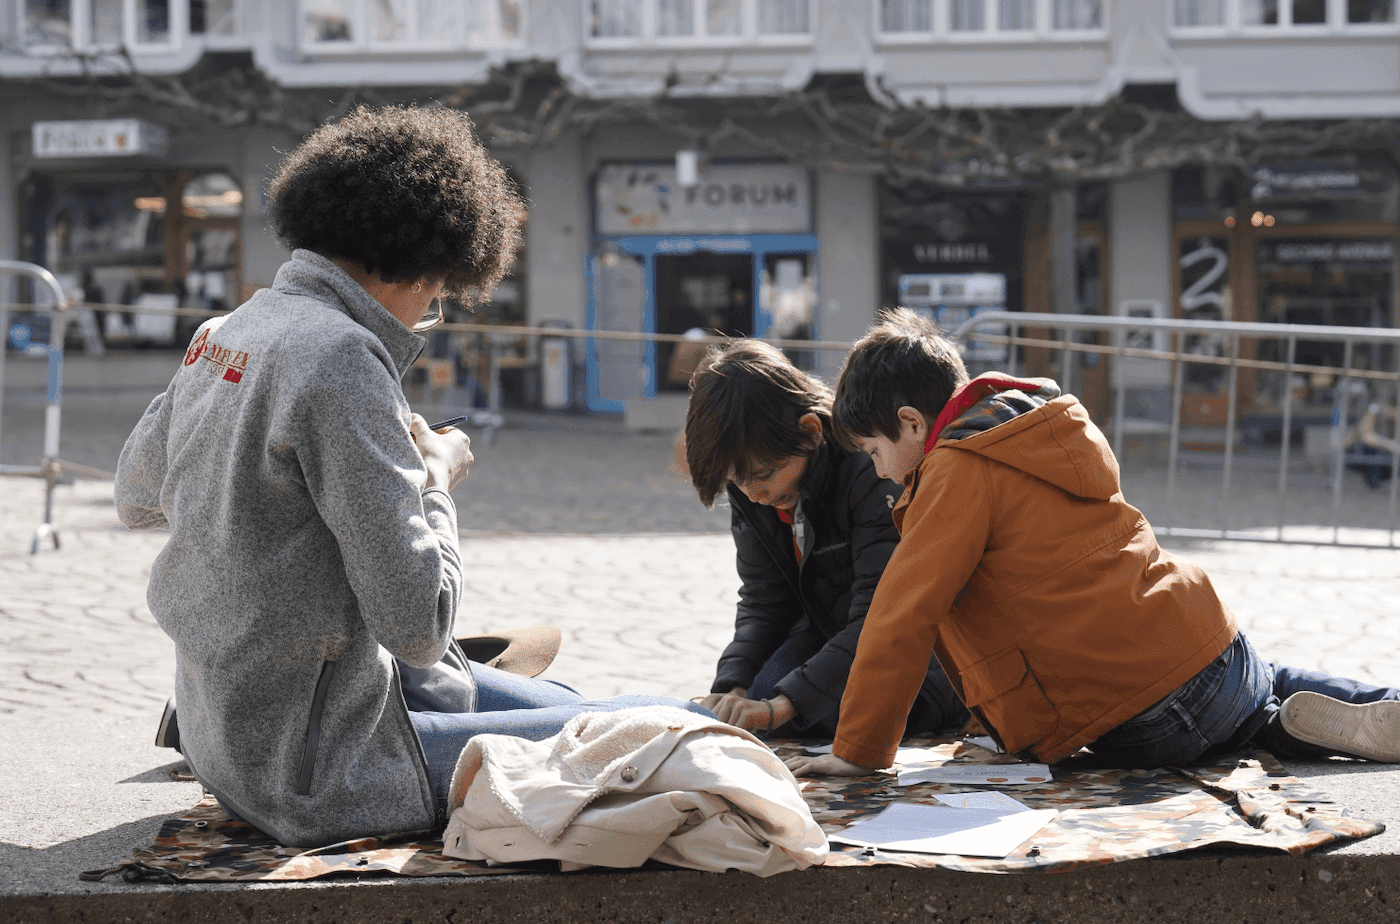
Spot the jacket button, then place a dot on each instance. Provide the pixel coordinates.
(629, 774)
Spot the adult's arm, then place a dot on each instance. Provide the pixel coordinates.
(946, 527)
(816, 686)
(768, 609)
(398, 541)
(141, 469)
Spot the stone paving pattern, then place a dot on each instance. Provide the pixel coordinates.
(566, 520)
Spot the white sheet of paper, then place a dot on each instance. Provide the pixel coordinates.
(969, 832)
(985, 741)
(976, 774)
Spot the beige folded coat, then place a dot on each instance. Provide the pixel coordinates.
(617, 788)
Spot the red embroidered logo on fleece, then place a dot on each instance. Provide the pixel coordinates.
(230, 364)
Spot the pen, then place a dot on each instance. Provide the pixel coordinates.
(450, 422)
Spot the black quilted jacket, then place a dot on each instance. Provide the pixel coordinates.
(847, 540)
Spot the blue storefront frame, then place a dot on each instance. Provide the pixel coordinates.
(648, 247)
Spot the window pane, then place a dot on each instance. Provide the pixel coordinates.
(106, 22)
(612, 18)
(906, 15)
(1078, 14)
(1200, 12)
(152, 21)
(724, 17)
(1309, 12)
(1258, 12)
(1016, 15)
(330, 21)
(1370, 11)
(675, 17)
(46, 22)
(782, 17)
(967, 16)
(510, 17)
(388, 20)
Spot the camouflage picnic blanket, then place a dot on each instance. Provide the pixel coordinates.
(1104, 816)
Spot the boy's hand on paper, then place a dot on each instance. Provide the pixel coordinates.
(825, 765)
(738, 710)
(446, 453)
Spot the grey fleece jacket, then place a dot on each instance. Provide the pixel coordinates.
(304, 558)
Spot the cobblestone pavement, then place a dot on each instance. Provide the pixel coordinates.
(565, 520)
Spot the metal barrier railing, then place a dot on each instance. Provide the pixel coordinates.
(1377, 390)
(1364, 413)
(52, 469)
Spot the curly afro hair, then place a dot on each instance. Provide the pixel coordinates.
(405, 192)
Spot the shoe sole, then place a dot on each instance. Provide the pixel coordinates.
(1369, 730)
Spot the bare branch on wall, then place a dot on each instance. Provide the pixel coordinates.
(837, 126)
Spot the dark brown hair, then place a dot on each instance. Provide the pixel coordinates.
(903, 361)
(747, 401)
(406, 192)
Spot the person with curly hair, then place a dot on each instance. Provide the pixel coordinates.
(312, 579)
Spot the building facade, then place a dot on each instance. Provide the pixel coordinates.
(767, 167)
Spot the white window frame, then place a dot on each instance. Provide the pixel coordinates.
(748, 34)
(942, 21)
(80, 30)
(1335, 25)
(467, 36)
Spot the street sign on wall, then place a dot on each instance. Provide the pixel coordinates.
(99, 138)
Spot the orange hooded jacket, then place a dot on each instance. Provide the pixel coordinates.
(1043, 592)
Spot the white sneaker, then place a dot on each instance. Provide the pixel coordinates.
(1369, 730)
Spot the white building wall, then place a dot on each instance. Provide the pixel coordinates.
(556, 237)
(1139, 235)
(848, 241)
(257, 160)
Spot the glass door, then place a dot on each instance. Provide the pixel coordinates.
(761, 285)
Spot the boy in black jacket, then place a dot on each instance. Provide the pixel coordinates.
(813, 531)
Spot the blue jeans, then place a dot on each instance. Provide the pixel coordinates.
(1235, 700)
(510, 704)
(936, 709)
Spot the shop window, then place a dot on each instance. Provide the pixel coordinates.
(152, 22)
(101, 25)
(215, 17)
(397, 25)
(106, 22)
(724, 17)
(788, 300)
(1199, 13)
(1341, 281)
(48, 23)
(1077, 14)
(1274, 15)
(906, 16)
(782, 17)
(930, 231)
(692, 20)
(920, 18)
(1370, 12)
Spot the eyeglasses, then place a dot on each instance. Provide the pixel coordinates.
(431, 318)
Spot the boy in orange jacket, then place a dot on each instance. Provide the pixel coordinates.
(1059, 620)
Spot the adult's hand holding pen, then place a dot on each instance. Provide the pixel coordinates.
(446, 453)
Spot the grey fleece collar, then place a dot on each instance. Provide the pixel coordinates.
(310, 274)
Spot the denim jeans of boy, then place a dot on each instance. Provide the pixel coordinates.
(510, 704)
(937, 708)
(1235, 700)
